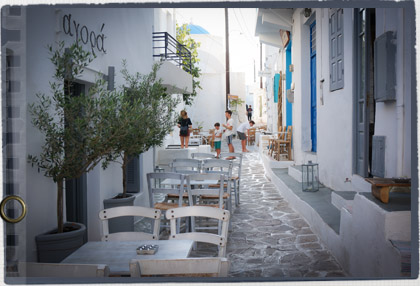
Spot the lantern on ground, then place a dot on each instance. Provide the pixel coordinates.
(310, 177)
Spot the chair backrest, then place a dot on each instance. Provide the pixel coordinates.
(281, 134)
(203, 155)
(195, 266)
(196, 188)
(185, 166)
(289, 134)
(217, 166)
(252, 131)
(205, 212)
(107, 214)
(236, 163)
(33, 269)
(176, 186)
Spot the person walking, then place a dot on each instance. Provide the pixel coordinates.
(217, 139)
(229, 130)
(244, 127)
(249, 112)
(184, 125)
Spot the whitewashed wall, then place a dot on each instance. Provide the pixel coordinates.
(335, 114)
(393, 120)
(210, 104)
(128, 36)
(275, 62)
(238, 87)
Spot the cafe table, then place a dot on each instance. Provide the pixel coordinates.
(192, 182)
(118, 254)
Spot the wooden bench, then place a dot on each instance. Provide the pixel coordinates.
(382, 186)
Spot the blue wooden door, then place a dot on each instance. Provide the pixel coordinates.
(313, 85)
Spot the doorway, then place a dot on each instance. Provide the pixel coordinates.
(364, 95)
(76, 189)
(313, 85)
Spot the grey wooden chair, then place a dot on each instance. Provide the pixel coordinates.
(171, 183)
(200, 193)
(197, 266)
(236, 173)
(34, 269)
(204, 212)
(137, 211)
(221, 167)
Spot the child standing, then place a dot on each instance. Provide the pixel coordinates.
(217, 138)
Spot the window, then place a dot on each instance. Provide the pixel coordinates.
(336, 49)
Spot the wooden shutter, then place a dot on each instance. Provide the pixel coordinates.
(133, 176)
(276, 87)
(280, 102)
(336, 49)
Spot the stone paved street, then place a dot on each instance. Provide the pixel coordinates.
(268, 238)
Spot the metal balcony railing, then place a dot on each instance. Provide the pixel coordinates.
(168, 48)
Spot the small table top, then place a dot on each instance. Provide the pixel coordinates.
(117, 254)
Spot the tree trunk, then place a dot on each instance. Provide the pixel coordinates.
(124, 171)
(60, 187)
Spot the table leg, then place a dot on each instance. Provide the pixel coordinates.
(381, 193)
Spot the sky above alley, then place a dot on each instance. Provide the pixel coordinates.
(243, 46)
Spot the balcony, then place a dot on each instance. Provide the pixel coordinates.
(175, 71)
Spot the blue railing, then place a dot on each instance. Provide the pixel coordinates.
(168, 48)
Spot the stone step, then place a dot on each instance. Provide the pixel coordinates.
(343, 199)
(295, 172)
(404, 249)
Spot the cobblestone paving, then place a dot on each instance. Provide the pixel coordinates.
(268, 238)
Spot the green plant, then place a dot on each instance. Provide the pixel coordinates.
(75, 128)
(183, 37)
(199, 124)
(145, 115)
(234, 103)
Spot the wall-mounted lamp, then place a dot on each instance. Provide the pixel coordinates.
(110, 77)
(307, 12)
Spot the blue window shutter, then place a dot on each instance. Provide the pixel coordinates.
(336, 49)
(276, 87)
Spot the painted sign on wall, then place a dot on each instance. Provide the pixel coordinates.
(82, 33)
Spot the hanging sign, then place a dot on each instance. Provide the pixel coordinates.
(285, 37)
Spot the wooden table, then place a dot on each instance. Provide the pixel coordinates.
(117, 254)
(382, 186)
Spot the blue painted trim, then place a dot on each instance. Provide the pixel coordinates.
(289, 109)
(276, 87)
(313, 91)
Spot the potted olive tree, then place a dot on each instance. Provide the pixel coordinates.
(147, 114)
(75, 138)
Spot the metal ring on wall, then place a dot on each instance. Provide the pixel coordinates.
(3, 213)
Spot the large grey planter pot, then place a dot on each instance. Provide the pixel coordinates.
(121, 224)
(53, 247)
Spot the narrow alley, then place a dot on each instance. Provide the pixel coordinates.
(268, 238)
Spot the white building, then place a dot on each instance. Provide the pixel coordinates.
(210, 104)
(113, 34)
(349, 76)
